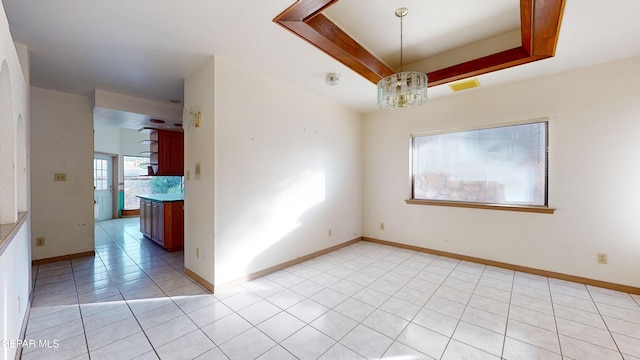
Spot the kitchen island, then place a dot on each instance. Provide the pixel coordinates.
(162, 219)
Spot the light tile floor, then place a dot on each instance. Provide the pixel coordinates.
(364, 301)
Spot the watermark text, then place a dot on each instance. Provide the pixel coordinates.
(30, 343)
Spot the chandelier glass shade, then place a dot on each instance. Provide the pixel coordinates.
(401, 90)
(405, 88)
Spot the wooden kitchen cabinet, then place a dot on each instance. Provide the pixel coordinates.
(166, 152)
(145, 217)
(157, 222)
(162, 221)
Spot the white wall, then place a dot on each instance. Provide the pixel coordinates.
(106, 139)
(119, 141)
(15, 286)
(122, 103)
(130, 142)
(199, 191)
(15, 264)
(8, 185)
(61, 142)
(287, 168)
(593, 175)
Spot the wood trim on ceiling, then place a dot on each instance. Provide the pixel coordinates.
(540, 27)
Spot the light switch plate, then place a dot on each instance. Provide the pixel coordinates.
(198, 171)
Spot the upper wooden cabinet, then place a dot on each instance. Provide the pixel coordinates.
(166, 152)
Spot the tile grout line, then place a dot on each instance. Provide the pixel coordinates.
(198, 328)
(348, 297)
(285, 310)
(132, 313)
(112, 244)
(390, 296)
(459, 319)
(330, 309)
(465, 308)
(427, 301)
(595, 303)
(506, 324)
(111, 278)
(378, 307)
(166, 295)
(84, 330)
(156, 284)
(441, 285)
(555, 319)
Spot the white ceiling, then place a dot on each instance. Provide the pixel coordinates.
(430, 27)
(145, 48)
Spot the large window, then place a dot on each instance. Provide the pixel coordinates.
(136, 181)
(505, 165)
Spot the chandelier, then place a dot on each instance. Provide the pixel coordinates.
(405, 88)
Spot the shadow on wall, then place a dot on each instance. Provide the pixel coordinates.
(270, 220)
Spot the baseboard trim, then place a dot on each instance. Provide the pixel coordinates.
(127, 213)
(551, 274)
(199, 279)
(63, 258)
(267, 271)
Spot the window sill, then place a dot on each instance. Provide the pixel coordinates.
(533, 209)
(8, 231)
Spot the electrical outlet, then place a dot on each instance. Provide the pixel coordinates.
(381, 226)
(602, 258)
(60, 177)
(40, 241)
(330, 232)
(197, 253)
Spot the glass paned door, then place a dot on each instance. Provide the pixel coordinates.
(103, 186)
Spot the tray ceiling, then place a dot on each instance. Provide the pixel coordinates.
(539, 30)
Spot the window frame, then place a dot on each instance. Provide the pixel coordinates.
(100, 174)
(545, 209)
(126, 177)
(149, 178)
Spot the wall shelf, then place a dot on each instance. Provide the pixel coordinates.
(166, 152)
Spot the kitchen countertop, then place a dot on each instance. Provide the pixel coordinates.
(163, 197)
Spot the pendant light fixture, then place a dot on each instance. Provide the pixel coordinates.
(405, 88)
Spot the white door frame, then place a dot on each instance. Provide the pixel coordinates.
(114, 181)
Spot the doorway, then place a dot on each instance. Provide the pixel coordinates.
(104, 180)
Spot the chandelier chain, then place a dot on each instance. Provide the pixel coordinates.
(405, 88)
(401, 45)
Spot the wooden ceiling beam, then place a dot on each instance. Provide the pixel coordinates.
(539, 22)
